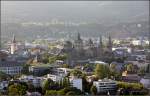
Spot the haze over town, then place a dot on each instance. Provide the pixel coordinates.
(74, 48)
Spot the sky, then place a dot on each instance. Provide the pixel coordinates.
(23, 11)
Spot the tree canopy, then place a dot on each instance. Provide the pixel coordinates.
(101, 71)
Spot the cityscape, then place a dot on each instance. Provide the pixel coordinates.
(74, 48)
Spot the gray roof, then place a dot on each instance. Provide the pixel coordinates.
(10, 63)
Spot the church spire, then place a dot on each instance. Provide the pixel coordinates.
(79, 38)
(100, 41)
(109, 43)
(14, 39)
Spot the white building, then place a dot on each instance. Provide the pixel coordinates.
(97, 62)
(54, 77)
(36, 81)
(63, 71)
(105, 85)
(140, 42)
(146, 82)
(3, 84)
(76, 82)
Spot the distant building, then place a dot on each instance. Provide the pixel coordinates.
(105, 85)
(36, 81)
(55, 78)
(13, 46)
(63, 71)
(11, 67)
(3, 84)
(130, 77)
(146, 81)
(140, 42)
(76, 82)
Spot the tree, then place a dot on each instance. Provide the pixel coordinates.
(65, 65)
(113, 67)
(51, 92)
(148, 68)
(66, 82)
(76, 73)
(101, 71)
(130, 68)
(113, 73)
(141, 71)
(70, 93)
(93, 90)
(47, 84)
(31, 87)
(4, 76)
(17, 89)
(61, 92)
(25, 69)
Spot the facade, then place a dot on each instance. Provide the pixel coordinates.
(146, 82)
(3, 84)
(80, 50)
(76, 82)
(11, 67)
(55, 78)
(36, 81)
(13, 46)
(105, 85)
(63, 71)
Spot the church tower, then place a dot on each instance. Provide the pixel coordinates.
(109, 46)
(100, 47)
(78, 42)
(13, 46)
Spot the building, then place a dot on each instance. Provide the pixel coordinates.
(130, 77)
(11, 67)
(3, 84)
(55, 78)
(76, 82)
(145, 81)
(39, 69)
(105, 85)
(13, 46)
(36, 81)
(63, 71)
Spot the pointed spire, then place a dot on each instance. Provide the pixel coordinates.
(14, 39)
(90, 41)
(109, 43)
(100, 41)
(79, 38)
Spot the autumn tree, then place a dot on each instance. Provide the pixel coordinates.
(101, 71)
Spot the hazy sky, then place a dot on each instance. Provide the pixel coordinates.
(45, 10)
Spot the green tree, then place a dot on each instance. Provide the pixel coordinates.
(51, 92)
(61, 92)
(47, 84)
(25, 69)
(113, 68)
(70, 93)
(17, 89)
(65, 65)
(66, 82)
(113, 73)
(130, 68)
(142, 71)
(93, 90)
(101, 71)
(76, 73)
(4, 76)
(52, 59)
